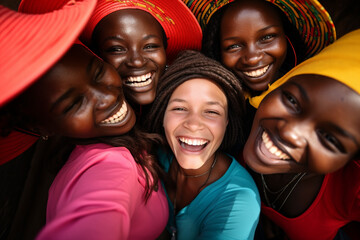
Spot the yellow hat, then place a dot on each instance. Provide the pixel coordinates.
(340, 61)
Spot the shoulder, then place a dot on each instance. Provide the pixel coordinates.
(100, 152)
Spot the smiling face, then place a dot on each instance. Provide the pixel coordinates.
(307, 124)
(195, 122)
(253, 43)
(80, 97)
(133, 42)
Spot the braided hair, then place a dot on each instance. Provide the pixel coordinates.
(190, 65)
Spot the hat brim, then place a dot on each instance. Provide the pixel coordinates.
(31, 43)
(180, 25)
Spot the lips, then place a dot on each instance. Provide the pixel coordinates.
(257, 73)
(139, 81)
(118, 116)
(192, 144)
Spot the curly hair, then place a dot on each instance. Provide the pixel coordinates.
(193, 64)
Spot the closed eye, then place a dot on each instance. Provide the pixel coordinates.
(73, 105)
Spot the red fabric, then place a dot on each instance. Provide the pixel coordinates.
(180, 25)
(34, 38)
(337, 204)
(14, 145)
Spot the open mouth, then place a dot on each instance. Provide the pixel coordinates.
(270, 146)
(139, 81)
(257, 73)
(118, 116)
(193, 145)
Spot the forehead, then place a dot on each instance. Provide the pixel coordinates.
(248, 9)
(199, 88)
(128, 18)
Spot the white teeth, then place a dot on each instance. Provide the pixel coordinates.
(117, 117)
(272, 148)
(257, 73)
(139, 81)
(193, 142)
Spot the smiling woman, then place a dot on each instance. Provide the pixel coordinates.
(304, 145)
(109, 186)
(139, 38)
(199, 111)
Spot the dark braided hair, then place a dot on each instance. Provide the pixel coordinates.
(192, 64)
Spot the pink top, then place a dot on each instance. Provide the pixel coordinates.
(99, 194)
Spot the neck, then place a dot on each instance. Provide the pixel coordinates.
(200, 171)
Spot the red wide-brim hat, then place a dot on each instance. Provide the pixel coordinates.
(31, 41)
(179, 23)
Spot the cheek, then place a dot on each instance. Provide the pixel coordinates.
(159, 58)
(229, 60)
(279, 50)
(323, 163)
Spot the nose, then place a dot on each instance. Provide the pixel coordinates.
(135, 59)
(104, 99)
(193, 122)
(294, 133)
(252, 55)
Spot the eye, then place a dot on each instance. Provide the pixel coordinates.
(180, 109)
(232, 47)
(290, 101)
(99, 71)
(212, 112)
(116, 49)
(73, 105)
(330, 141)
(268, 38)
(151, 46)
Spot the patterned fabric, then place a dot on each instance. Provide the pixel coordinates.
(308, 16)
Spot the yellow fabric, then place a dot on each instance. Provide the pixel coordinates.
(340, 60)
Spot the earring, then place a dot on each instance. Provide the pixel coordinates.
(166, 67)
(45, 138)
(292, 47)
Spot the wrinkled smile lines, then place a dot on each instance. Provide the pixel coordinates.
(272, 148)
(117, 117)
(257, 73)
(139, 81)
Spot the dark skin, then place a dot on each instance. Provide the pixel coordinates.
(78, 98)
(308, 131)
(132, 40)
(253, 43)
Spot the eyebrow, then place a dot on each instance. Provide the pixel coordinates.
(208, 102)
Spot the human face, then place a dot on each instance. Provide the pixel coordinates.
(307, 124)
(195, 122)
(133, 42)
(253, 43)
(80, 97)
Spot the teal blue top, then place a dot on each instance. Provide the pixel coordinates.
(226, 209)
